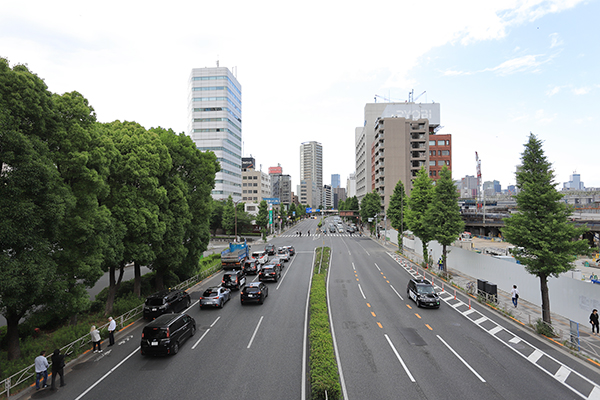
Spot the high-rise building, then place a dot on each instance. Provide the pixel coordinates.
(574, 183)
(311, 166)
(351, 185)
(215, 124)
(327, 199)
(335, 181)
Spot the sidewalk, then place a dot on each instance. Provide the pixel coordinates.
(525, 313)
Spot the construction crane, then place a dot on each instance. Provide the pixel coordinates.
(411, 96)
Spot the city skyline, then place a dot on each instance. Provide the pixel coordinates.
(500, 70)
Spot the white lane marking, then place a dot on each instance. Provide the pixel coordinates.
(107, 374)
(353, 267)
(287, 269)
(303, 381)
(399, 359)
(213, 324)
(480, 320)
(461, 359)
(515, 340)
(495, 330)
(335, 347)
(199, 340)
(361, 292)
(377, 266)
(562, 374)
(535, 356)
(397, 293)
(255, 330)
(472, 310)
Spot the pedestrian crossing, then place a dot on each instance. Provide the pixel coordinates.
(294, 235)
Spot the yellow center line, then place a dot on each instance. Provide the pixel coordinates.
(373, 314)
(418, 316)
(381, 273)
(430, 328)
(388, 281)
(381, 326)
(357, 279)
(408, 305)
(384, 277)
(368, 305)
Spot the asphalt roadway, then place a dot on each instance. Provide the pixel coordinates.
(387, 348)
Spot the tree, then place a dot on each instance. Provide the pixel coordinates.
(396, 208)
(416, 209)
(546, 242)
(370, 206)
(443, 213)
(352, 204)
(216, 215)
(33, 199)
(262, 218)
(292, 212)
(228, 220)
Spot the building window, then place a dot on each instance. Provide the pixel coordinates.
(441, 142)
(432, 163)
(445, 153)
(432, 142)
(447, 143)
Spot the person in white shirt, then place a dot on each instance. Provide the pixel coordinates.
(41, 370)
(95, 334)
(112, 325)
(514, 293)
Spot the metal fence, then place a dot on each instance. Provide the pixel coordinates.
(75, 347)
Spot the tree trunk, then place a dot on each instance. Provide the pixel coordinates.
(545, 299)
(113, 287)
(137, 279)
(12, 334)
(159, 279)
(425, 255)
(444, 265)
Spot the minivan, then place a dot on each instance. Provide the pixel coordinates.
(165, 334)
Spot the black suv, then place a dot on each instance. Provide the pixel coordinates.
(166, 333)
(251, 267)
(423, 293)
(165, 301)
(234, 279)
(270, 249)
(254, 291)
(269, 273)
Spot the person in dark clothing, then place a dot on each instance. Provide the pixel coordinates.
(58, 365)
(594, 320)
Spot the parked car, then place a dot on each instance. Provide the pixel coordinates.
(166, 301)
(423, 293)
(261, 256)
(284, 254)
(234, 279)
(252, 267)
(291, 250)
(166, 333)
(270, 249)
(215, 296)
(254, 292)
(269, 273)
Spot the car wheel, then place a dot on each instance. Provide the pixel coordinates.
(419, 303)
(188, 303)
(221, 304)
(176, 348)
(193, 331)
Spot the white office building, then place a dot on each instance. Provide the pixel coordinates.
(215, 124)
(311, 167)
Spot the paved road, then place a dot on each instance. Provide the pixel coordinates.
(388, 348)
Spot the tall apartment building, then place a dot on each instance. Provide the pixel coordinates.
(339, 194)
(351, 185)
(401, 146)
(215, 124)
(311, 166)
(335, 181)
(327, 199)
(256, 185)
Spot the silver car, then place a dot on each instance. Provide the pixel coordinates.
(215, 296)
(283, 254)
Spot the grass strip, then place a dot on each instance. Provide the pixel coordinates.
(324, 377)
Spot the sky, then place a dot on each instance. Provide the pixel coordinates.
(499, 69)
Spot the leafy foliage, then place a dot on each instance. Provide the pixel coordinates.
(546, 242)
(370, 206)
(396, 208)
(414, 215)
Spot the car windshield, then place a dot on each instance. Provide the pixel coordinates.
(270, 269)
(230, 278)
(155, 333)
(211, 293)
(154, 302)
(252, 289)
(425, 289)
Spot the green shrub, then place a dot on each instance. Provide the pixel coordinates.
(544, 329)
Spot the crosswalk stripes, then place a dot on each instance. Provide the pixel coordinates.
(323, 236)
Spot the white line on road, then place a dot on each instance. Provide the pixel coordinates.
(353, 267)
(255, 330)
(377, 266)
(401, 298)
(461, 359)
(361, 292)
(400, 359)
(199, 340)
(107, 374)
(287, 269)
(213, 324)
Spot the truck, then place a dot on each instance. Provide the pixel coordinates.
(234, 256)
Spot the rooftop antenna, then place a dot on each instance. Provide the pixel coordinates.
(217, 63)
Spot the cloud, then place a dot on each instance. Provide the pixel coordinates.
(555, 40)
(554, 90)
(581, 90)
(519, 64)
(542, 117)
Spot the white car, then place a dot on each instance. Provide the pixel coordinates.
(261, 257)
(283, 254)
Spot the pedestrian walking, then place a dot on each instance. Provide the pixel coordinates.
(594, 320)
(96, 339)
(514, 293)
(112, 325)
(41, 370)
(58, 365)
(308, 233)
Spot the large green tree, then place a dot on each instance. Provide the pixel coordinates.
(228, 221)
(416, 209)
(443, 214)
(33, 199)
(370, 206)
(262, 218)
(216, 215)
(546, 242)
(352, 204)
(396, 208)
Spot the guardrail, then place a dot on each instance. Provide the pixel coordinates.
(74, 347)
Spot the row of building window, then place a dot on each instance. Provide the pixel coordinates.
(249, 184)
(439, 152)
(439, 143)
(226, 161)
(250, 191)
(250, 198)
(215, 88)
(214, 149)
(213, 130)
(440, 163)
(255, 177)
(217, 120)
(218, 99)
(214, 109)
(217, 78)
